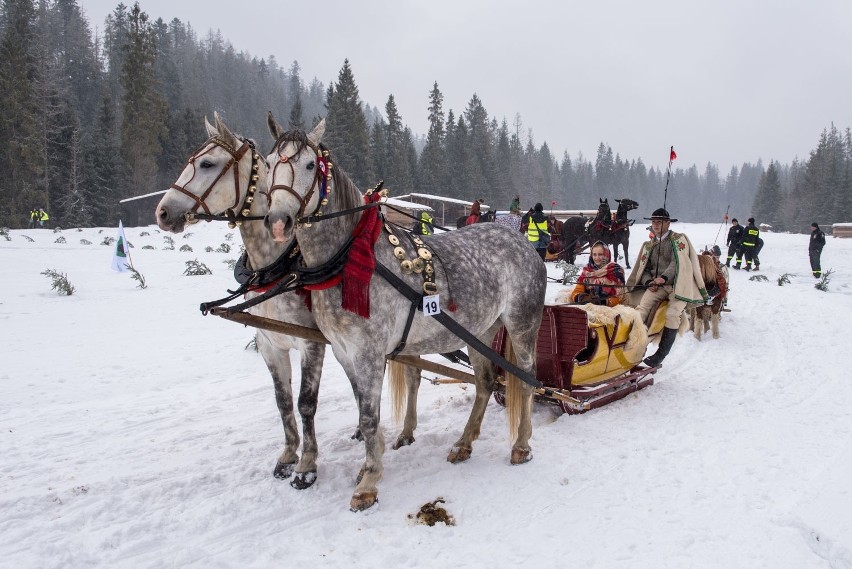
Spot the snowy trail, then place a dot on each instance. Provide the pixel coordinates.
(137, 433)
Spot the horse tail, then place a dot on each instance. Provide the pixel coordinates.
(398, 389)
(514, 397)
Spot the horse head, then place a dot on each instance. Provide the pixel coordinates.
(604, 213)
(299, 176)
(626, 204)
(219, 179)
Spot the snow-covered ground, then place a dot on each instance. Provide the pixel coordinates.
(138, 433)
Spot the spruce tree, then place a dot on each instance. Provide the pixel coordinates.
(346, 131)
(769, 198)
(144, 112)
(20, 159)
(432, 169)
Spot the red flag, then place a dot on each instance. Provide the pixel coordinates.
(673, 155)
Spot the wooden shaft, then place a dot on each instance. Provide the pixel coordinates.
(315, 335)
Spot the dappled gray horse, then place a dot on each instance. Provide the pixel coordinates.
(223, 176)
(479, 296)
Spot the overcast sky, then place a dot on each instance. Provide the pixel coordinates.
(725, 81)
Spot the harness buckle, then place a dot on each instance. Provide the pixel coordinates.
(430, 288)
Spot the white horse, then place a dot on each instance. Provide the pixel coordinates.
(221, 178)
(479, 296)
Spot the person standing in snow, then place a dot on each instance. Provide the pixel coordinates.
(735, 236)
(749, 243)
(815, 246)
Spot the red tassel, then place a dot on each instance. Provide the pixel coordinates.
(453, 306)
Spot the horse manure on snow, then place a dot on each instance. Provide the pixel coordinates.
(431, 513)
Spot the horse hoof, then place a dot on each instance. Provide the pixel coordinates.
(304, 480)
(402, 442)
(459, 454)
(284, 470)
(520, 456)
(357, 436)
(362, 500)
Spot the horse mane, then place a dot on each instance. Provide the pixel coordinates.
(344, 188)
(708, 268)
(300, 137)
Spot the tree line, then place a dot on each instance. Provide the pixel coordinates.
(89, 120)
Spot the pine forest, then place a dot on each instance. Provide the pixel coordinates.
(90, 120)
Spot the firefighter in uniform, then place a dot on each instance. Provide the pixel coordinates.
(425, 224)
(735, 236)
(750, 237)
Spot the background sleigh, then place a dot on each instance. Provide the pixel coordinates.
(588, 356)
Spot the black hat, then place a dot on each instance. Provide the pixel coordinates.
(815, 224)
(734, 220)
(660, 214)
(751, 220)
(539, 207)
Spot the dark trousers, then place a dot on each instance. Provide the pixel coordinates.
(732, 249)
(815, 268)
(748, 253)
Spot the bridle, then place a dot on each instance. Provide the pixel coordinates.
(233, 219)
(322, 176)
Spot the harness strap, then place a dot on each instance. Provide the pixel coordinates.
(457, 329)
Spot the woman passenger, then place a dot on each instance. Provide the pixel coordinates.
(601, 281)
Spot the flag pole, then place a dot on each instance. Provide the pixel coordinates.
(672, 156)
(724, 222)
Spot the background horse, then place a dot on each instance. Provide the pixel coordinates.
(705, 317)
(479, 298)
(483, 217)
(206, 183)
(615, 230)
(581, 231)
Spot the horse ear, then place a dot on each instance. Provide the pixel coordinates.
(274, 128)
(211, 130)
(224, 132)
(316, 135)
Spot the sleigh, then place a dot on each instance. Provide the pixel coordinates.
(585, 360)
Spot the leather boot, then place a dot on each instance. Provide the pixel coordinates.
(666, 341)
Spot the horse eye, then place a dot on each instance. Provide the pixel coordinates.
(206, 163)
(310, 166)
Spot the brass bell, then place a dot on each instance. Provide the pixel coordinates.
(325, 152)
(324, 201)
(406, 267)
(254, 177)
(250, 199)
(394, 240)
(254, 166)
(246, 211)
(399, 252)
(232, 224)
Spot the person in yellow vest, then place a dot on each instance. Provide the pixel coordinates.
(425, 224)
(751, 235)
(42, 217)
(538, 233)
(33, 218)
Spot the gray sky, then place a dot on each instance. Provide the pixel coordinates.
(723, 81)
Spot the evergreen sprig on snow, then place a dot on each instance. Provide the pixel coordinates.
(59, 282)
(137, 276)
(822, 284)
(4, 231)
(28, 238)
(569, 271)
(196, 268)
(170, 243)
(231, 263)
(784, 279)
(759, 278)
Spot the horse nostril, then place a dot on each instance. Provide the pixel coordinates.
(163, 214)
